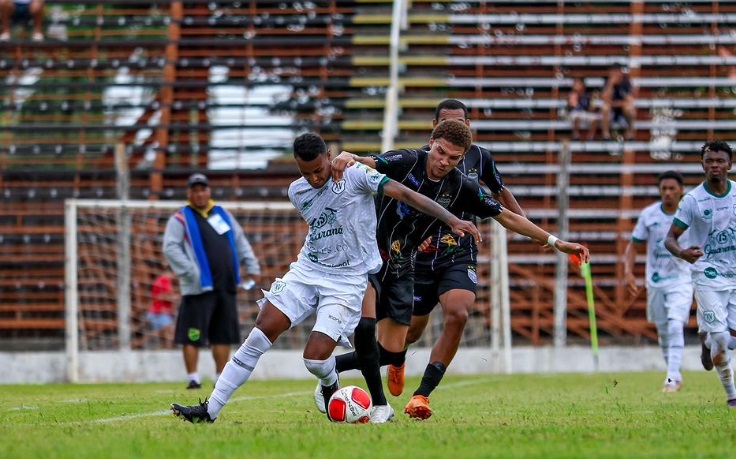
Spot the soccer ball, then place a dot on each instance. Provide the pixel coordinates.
(350, 405)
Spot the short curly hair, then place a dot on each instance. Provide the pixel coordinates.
(716, 145)
(456, 132)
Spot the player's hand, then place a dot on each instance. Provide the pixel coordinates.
(631, 286)
(691, 254)
(425, 245)
(460, 227)
(573, 248)
(340, 163)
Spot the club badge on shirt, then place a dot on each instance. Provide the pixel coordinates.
(218, 224)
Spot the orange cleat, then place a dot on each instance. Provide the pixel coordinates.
(418, 407)
(396, 379)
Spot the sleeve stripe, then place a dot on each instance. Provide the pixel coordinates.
(384, 180)
(680, 223)
(635, 239)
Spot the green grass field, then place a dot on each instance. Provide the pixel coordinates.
(526, 416)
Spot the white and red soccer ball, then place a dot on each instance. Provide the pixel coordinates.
(350, 405)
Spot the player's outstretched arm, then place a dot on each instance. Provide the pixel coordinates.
(629, 263)
(509, 201)
(691, 254)
(347, 159)
(525, 227)
(425, 205)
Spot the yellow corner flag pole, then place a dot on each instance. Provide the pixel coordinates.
(585, 272)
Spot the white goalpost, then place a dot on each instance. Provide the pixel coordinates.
(114, 254)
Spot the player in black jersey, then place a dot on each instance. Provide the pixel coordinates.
(446, 272)
(400, 230)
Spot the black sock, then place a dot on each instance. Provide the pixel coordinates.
(391, 358)
(327, 392)
(432, 376)
(366, 350)
(347, 361)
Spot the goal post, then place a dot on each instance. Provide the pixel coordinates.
(114, 254)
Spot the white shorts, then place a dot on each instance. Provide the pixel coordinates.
(336, 299)
(672, 302)
(716, 310)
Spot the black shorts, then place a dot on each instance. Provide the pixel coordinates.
(430, 284)
(394, 293)
(208, 318)
(21, 12)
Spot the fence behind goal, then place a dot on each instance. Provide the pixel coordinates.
(114, 253)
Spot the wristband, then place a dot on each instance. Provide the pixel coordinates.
(551, 240)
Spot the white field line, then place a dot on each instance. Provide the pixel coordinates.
(232, 400)
(23, 408)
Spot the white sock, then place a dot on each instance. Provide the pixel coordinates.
(324, 370)
(732, 343)
(664, 342)
(238, 370)
(722, 362)
(676, 346)
(194, 377)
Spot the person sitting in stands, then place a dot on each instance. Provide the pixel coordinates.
(580, 105)
(618, 103)
(21, 11)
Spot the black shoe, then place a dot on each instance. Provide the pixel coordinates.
(705, 358)
(194, 385)
(195, 414)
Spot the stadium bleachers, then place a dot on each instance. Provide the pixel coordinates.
(171, 84)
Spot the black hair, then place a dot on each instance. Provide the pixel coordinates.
(450, 104)
(671, 175)
(309, 146)
(716, 145)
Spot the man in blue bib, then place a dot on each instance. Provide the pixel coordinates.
(205, 245)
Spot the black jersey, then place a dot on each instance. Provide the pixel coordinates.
(401, 228)
(478, 163)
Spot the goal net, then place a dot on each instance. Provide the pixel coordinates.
(114, 255)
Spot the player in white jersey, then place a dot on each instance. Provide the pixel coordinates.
(708, 212)
(669, 288)
(330, 274)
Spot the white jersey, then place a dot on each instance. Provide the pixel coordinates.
(663, 268)
(711, 222)
(342, 221)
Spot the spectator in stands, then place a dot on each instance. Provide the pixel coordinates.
(21, 11)
(204, 245)
(582, 110)
(160, 315)
(618, 103)
(669, 288)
